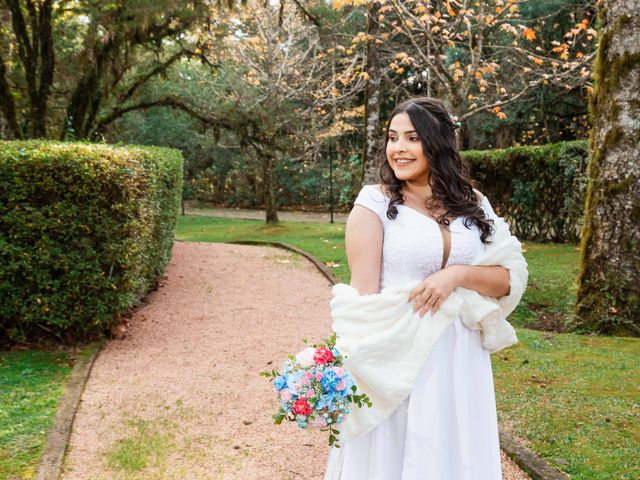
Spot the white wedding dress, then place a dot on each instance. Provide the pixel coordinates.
(447, 428)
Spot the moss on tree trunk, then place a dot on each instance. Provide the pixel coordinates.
(609, 282)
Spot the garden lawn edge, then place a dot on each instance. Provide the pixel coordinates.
(528, 461)
(55, 447)
(525, 458)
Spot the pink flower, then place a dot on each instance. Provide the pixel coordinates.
(311, 393)
(323, 356)
(339, 371)
(306, 378)
(301, 407)
(340, 385)
(285, 395)
(318, 376)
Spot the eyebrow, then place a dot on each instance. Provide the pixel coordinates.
(408, 131)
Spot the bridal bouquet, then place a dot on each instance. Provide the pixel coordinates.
(314, 390)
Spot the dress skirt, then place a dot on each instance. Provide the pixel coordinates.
(446, 429)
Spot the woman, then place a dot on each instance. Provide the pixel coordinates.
(424, 225)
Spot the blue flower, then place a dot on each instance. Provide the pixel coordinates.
(330, 381)
(327, 401)
(302, 421)
(280, 382)
(348, 382)
(292, 379)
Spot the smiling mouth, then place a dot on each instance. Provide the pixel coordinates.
(404, 161)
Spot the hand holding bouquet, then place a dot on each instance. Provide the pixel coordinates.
(314, 390)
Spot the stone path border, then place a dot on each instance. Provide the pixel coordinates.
(528, 461)
(50, 464)
(55, 446)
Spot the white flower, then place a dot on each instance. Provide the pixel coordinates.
(305, 357)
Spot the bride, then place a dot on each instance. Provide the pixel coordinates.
(424, 226)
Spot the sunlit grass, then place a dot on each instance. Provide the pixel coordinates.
(146, 446)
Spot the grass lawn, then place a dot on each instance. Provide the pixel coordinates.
(31, 385)
(573, 398)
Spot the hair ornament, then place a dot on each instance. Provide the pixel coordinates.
(456, 123)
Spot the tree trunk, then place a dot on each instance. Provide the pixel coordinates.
(268, 188)
(87, 94)
(35, 49)
(372, 154)
(7, 104)
(609, 291)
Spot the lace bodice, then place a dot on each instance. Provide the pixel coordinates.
(412, 248)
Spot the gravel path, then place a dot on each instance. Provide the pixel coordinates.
(180, 397)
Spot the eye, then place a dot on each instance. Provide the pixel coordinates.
(413, 138)
(392, 138)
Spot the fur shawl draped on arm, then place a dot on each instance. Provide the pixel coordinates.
(386, 344)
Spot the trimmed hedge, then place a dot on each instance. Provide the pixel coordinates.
(539, 190)
(85, 231)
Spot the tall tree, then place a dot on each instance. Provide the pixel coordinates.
(32, 26)
(609, 292)
(372, 98)
(269, 66)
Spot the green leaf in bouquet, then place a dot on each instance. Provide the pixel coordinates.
(331, 341)
(278, 418)
(265, 373)
(333, 437)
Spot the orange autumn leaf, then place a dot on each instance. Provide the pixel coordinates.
(529, 34)
(560, 49)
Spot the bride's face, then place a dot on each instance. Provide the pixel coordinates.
(404, 151)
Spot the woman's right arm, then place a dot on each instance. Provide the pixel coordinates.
(363, 238)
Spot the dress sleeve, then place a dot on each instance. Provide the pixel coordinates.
(488, 209)
(372, 198)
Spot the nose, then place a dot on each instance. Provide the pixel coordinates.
(399, 146)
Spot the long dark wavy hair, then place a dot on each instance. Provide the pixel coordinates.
(447, 173)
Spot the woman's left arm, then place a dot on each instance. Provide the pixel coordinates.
(492, 281)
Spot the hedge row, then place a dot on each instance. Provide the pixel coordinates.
(85, 231)
(539, 190)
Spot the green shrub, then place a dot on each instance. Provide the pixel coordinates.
(539, 189)
(85, 231)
